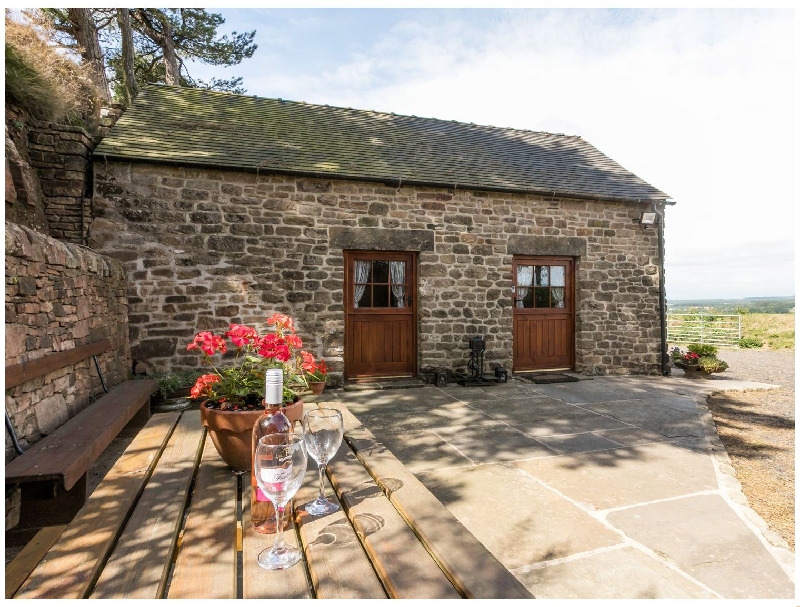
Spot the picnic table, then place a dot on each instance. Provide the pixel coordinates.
(171, 520)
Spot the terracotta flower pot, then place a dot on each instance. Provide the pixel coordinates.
(316, 387)
(232, 431)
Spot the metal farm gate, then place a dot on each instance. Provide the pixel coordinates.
(712, 329)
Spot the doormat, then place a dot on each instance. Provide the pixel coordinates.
(551, 378)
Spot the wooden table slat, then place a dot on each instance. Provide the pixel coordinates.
(74, 562)
(18, 570)
(338, 566)
(206, 562)
(292, 583)
(139, 566)
(404, 566)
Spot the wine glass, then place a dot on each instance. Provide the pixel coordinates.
(280, 465)
(322, 432)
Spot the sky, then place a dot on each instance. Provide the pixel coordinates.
(699, 103)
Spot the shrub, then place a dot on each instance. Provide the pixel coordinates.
(169, 383)
(702, 349)
(750, 342)
(711, 364)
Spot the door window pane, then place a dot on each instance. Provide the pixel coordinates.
(380, 272)
(380, 296)
(557, 276)
(542, 276)
(397, 273)
(541, 297)
(524, 276)
(526, 301)
(366, 297)
(557, 297)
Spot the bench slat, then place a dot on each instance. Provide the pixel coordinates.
(260, 583)
(74, 562)
(206, 563)
(81, 440)
(405, 568)
(337, 563)
(19, 374)
(139, 565)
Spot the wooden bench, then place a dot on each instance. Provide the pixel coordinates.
(52, 473)
(171, 520)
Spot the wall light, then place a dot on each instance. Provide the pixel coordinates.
(648, 219)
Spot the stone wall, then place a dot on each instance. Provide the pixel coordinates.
(24, 200)
(59, 296)
(202, 248)
(61, 155)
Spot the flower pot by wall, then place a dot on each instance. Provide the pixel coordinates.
(316, 387)
(232, 431)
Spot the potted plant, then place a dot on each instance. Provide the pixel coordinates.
(316, 373)
(175, 384)
(233, 391)
(685, 360)
(701, 358)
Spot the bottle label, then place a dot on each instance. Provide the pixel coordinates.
(276, 478)
(260, 497)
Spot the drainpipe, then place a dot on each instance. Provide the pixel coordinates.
(662, 296)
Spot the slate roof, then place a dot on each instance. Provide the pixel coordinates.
(204, 128)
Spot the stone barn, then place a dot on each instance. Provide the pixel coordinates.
(392, 240)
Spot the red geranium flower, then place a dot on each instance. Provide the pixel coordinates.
(242, 376)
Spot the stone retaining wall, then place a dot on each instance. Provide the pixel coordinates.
(202, 248)
(61, 156)
(59, 296)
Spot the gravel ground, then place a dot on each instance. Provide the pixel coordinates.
(757, 429)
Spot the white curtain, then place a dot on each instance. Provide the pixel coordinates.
(362, 275)
(397, 271)
(524, 279)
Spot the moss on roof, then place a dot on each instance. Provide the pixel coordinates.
(205, 128)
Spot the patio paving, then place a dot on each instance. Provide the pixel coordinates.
(613, 487)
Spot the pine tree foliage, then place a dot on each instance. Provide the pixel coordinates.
(164, 40)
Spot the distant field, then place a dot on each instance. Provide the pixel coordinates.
(775, 330)
(753, 305)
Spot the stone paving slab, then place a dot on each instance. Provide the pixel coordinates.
(492, 442)
(424, 450)
(707, 540)
(653, 416)
(589, 391)
(624, 573)
(578, 443)
(627, 476)
(416, 399)
(632, 436)
(413, 419)
(528, 521)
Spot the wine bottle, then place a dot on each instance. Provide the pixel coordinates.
(273, 420)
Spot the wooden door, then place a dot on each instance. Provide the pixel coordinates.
(380, 314)
(544, 313)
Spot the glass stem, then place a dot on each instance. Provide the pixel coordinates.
(321, 482)
(279, 545)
